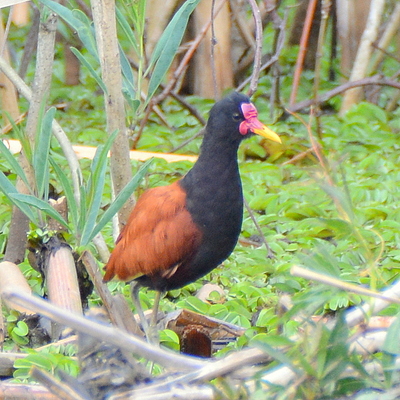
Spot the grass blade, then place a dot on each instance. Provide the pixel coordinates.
(168, 44)
(83, 29)
(96, 186)
(14, 164)
(41, 154)
(68, 192)
(84, 61)
(40, 205)
(9, 191)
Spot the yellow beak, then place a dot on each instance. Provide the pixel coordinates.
(264, 131)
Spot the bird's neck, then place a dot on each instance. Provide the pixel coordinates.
(217, 156)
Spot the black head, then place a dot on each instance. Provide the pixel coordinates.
(235, 118)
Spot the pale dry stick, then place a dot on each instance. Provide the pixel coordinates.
(11, 276)
(232, 363)
(117, 337)
(385, 40)
(334, 282)
(212, 54)
(107, 43)
(25, 391)
(354, 317)
(299, 157)
(178, 392)
(6, 32)
(15, 250)
(363, 56)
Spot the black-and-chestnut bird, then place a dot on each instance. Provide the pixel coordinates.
(178, 233)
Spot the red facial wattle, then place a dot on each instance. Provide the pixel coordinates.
(250, 118)
(252, 124)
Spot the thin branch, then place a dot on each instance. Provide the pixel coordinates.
(303, 49)
(270, 254)
(187, 141)
(273, 59)
(326, 4)
(373, 80)
(257, 49)
(391, 29)
(185, 60)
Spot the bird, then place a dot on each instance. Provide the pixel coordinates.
(178, 233)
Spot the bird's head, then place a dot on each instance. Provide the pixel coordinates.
(236, 112)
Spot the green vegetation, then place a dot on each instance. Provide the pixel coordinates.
(335, 210)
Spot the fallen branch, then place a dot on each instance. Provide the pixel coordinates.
(20, 391)
(105, 333)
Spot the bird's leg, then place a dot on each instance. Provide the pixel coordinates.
(136, 301)
(150, 330)
(153, 331)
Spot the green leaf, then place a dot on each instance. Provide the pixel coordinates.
(168, 44)
(96, 187)
(21, 329)
(271, 340)
(25, 143)
(169, 339)
(119, 201)
(77, 21)
(195, 304)
(14, 164)
(9, 190)
(39, 360)
(68, 192)
(391, 344)
(40, 205)
(88, 65)
(127, 73)
(41, 154)
(276, 354)
(128, 32)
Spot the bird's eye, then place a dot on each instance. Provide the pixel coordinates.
(237, 117)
